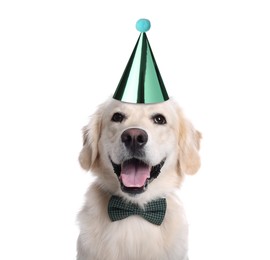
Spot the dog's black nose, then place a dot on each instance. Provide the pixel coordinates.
(134, 138)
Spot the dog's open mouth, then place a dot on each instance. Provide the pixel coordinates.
(135, 175)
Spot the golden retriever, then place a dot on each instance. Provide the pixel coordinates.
(138, 152)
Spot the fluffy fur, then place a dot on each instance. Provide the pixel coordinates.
(134, 238)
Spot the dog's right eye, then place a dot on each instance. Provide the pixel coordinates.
(118, 117)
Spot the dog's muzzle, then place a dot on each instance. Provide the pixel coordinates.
(134, 173)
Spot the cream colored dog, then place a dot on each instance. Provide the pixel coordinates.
(138, 152)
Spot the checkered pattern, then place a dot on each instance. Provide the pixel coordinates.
(154, 211)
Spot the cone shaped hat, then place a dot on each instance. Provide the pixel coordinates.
(141, 81)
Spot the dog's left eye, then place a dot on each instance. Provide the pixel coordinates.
(159, 119)
(118, 117)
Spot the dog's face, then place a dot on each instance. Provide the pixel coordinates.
(140, 148)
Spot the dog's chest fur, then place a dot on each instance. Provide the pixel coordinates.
(132, 238)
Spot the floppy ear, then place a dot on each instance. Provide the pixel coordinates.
(189, 145)
(91, 135)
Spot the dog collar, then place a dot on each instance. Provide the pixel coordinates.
(153, 212)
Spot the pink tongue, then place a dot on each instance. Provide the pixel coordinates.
(134, 175)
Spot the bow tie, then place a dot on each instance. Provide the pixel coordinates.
(154, 211)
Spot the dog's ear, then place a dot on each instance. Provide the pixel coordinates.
(189, 145)
(91, 135)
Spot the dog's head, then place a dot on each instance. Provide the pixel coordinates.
(140, 148)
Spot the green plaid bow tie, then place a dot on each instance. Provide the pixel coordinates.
(153, 212)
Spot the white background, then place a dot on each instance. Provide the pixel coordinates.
(60, 59)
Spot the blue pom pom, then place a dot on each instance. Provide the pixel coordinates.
(143, 25)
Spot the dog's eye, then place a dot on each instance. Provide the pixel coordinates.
(159, 119)
(118, 117)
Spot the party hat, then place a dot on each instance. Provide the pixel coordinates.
(141, 81)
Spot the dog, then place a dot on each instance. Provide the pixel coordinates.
(138, 153)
